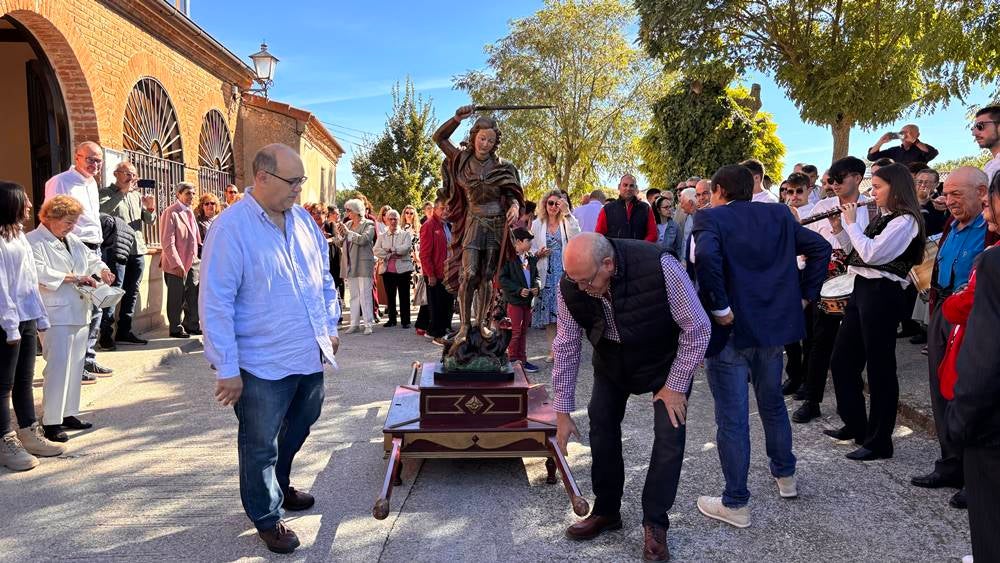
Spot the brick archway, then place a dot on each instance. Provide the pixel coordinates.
(68, 64)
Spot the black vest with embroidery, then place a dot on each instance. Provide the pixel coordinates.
(901, 265)
(621, 224)
(641, 362)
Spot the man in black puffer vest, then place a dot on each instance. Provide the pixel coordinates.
(627, 217)
(638, 309)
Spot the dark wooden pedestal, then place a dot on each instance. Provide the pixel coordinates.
(434, 418)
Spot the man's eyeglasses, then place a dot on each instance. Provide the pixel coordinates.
(980, 125)
(92, 160)
(588, 283)
(293, 182)
(628, 185)
(926, 183)
(791, 191)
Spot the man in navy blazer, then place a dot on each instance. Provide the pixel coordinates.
(745, 261)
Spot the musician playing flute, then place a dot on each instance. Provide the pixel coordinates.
(845, 176)
(881, 255)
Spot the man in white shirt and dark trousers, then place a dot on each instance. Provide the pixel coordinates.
(270, 312)
(79, 183)
(587, 214)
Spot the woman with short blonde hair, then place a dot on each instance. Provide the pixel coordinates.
(63, 263)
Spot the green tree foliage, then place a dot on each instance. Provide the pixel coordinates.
(402, 166)
(844, 63)
(977, 160)
(573, 54)
(696, 128)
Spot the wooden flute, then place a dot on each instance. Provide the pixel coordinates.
(833, 212)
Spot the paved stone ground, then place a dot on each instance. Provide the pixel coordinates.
(156, 480)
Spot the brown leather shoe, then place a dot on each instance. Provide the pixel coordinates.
(592, 526)
(297, 500)
(654, 544)
(279, 539)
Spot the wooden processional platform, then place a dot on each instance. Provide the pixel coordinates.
(438, 417)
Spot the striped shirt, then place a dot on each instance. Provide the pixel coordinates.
(686, 310)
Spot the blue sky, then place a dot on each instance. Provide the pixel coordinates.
(340, 60)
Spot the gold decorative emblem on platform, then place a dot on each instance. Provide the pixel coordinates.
(474, 404)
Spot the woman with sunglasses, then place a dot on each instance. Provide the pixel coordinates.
(206, 212)
(881, 257)
(551, 230)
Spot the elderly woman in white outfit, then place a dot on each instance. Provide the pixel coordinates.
(63, 262)
(359, 236)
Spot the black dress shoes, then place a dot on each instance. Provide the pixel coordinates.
(807, 411)
(592, 526)
(279, 539)
(107, 343)
(958, 500)
(179, 334)
(193, 331)
(864, 454)
(841, 433)
(54, 433)
(297, 500)
(131, 338)
(74, 423)
(935, 480)
(801, 394)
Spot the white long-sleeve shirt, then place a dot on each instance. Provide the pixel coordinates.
(884, 248)
(267, 300)
(84, 190)
(20, 299)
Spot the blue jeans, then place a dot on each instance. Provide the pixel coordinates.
(128, 276)
(728, 373)
(275, 417)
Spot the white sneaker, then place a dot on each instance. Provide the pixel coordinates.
(713, 508)
(33, 440)
(368, 330)
(13, 454)
(350, 329)
(787, 487)
(967, 559)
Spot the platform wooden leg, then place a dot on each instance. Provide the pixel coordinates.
(550, 467)
(580, 505)
(381, 508)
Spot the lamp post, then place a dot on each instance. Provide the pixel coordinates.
(263, 64)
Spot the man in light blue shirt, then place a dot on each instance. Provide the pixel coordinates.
(269, 313)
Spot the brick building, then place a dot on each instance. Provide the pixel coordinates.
(146, 83)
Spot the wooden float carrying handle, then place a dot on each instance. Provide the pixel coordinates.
(381, 509)
(580, 505)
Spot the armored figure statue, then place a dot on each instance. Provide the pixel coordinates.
(484, 196)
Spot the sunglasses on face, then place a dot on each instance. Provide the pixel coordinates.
(207, 203)
(791, 191)
(93, 160)
(980, 125)
(552, 203)
(628, 185)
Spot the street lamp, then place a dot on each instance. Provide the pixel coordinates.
(263, 64)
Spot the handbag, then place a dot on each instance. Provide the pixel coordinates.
(420, 291)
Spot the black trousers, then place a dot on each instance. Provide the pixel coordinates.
(867, 339)
(606, 411)
(797, 353)
(906, 309)
(440, 304)
(824, 334)
(949, 465)
(982, 488)
(397, 284)
(17, 370)
(182, 298)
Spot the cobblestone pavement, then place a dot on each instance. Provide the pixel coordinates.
(156, 479)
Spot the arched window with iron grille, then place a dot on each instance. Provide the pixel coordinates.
(152, 141)
(215, 155)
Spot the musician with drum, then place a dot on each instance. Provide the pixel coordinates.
(845, 177)
(880, 256)
(963, 240)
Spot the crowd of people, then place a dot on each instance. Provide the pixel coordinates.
(824, 283)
